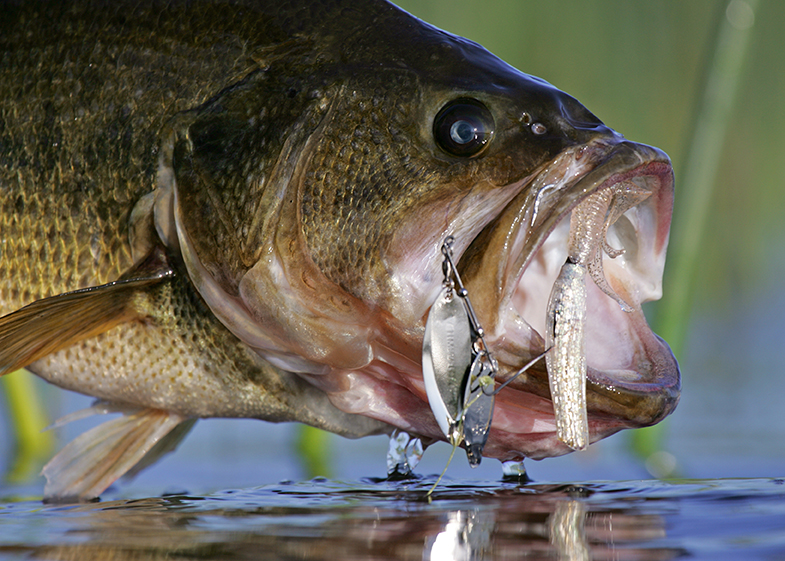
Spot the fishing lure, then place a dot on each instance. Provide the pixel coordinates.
(566, 311)
(458, 370)
(564, 332)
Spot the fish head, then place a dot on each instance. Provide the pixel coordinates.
(310, 200)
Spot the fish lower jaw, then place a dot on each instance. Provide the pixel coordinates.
(523, 425)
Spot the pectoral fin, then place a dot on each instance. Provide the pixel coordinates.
(94, 460)
(54, 323)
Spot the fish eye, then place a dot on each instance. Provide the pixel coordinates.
(463, 127)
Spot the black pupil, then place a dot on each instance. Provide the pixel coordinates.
(463, 127)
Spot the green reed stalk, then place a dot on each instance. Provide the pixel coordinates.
(28, 419)
(694, 193)
(312, 447)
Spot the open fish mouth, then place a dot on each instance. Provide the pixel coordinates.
(605, 206)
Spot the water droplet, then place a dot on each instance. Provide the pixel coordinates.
(403, 455)
(514, 471)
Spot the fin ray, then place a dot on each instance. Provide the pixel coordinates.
(95, 459)
(161, 448)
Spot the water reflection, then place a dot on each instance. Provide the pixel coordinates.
(370, 520)
(466, 535)
(567, 530)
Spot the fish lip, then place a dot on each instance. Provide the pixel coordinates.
(612, 401)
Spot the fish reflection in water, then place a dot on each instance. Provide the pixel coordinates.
(380, 520)
(559, 528)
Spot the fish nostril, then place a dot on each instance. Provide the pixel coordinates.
(535, 126)
(539, 128)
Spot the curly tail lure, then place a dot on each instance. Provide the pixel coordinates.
(566, 312)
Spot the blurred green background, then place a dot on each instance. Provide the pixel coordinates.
(649, 70)
(641, 67)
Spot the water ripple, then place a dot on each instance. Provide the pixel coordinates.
(381, 520)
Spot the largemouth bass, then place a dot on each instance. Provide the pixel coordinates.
(237, 209)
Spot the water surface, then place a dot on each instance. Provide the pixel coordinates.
(379, 520)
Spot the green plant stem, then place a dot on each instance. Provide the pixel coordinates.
(696, 188)
(695, 191)
(313, 451)
(29, 421)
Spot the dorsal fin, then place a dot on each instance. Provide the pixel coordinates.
(57, 322)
